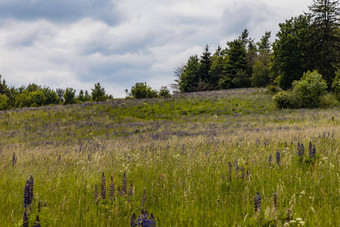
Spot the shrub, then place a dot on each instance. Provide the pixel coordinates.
(164, 92)
(98, 93)
(307, 92)
(69, 96)
(142, 90)
(272, 89)
(261, 75)
(287, 99)
(4, 100)
(310, 88)
(336, 85)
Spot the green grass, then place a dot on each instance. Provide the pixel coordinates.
(177, 150)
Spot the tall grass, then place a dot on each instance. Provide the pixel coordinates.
(171, 157)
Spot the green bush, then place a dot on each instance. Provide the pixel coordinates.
(4, 100)
(142, 90)
(272, 89)
(287, 99)
(261, 75)
(69, 96)
(98, 93)
(164, 92)
(336, 85)
(307, 92)
(23, 100)
(310, 88)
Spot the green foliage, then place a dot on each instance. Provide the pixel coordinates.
(69, 96)
(142, 90)
(261, 75)
(204, 67)
(164, 92)
(236, 65)
(4, 102)
(336, 85)
(311, 88)
(98, 93)
(190, 76)
(37, 98)
(51, 97)
(291, 50)
(324, 41)
(217, 68)
(178, 151)
(264, 44)
(307, 92)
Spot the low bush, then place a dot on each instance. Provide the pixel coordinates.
(307, 92)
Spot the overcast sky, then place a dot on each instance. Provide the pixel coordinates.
(77, 43)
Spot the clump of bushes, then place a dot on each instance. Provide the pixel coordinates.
(308, 92)
(142, 90)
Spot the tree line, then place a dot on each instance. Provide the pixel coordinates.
(34, 95)
(304, 43)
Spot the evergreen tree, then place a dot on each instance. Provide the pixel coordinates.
(98, 93)
(325, 39)
(204, 68)
(217, 68)
(290, 50)
(236, 65)
(264, 44)
(190, 77)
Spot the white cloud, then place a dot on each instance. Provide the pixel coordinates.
(121, 42)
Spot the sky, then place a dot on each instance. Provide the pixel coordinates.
(77, 43)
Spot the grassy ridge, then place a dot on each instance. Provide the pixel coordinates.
(177, 150)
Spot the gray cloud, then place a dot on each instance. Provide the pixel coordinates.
(118, 43)
(59, 11)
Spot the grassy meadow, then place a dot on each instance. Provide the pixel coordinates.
(195, 159)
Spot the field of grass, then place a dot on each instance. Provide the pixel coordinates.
(195, 159)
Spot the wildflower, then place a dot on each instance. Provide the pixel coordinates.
(95, 193)
(37, 222)
(14, 159)
(31, 185)
(25, 220)
(130, 189)
(270, 159)
(278, 157)
(257, 203)
(242, 172)
(27, 194)
(133, 220)
(124, 184)
(103, 186)
(112, 189)
(275, 200)
(39, 206)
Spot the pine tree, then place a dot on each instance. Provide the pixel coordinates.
(325, 38)
(204, 68)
